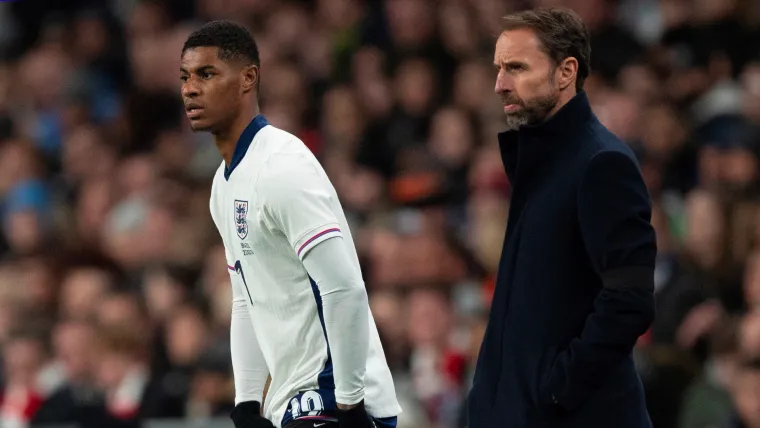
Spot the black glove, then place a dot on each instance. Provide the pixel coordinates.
(355, 417)
(248, 415)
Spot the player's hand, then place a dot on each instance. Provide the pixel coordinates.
(355, 417)
(248, 415)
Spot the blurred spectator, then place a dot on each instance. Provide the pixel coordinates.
(707, 400)
(82, 291)
(746, 396)
(76, 399)
(24, 354)
(131, 392)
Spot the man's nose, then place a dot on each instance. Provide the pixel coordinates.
(503, 84)
(190, 89)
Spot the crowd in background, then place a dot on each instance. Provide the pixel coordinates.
(114, 292)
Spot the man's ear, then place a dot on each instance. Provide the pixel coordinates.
(568, 72)
(250, 78)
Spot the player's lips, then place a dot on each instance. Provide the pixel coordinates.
(193, 110)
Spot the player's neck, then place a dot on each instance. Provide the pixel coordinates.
(226, 140)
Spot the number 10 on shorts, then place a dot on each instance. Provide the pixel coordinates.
(310, 404)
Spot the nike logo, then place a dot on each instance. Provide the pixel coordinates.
(319, 425)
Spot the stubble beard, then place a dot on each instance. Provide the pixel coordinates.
(532, 112)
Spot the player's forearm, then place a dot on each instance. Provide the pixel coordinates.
(346, 315)
(347, 326)
(248, 365)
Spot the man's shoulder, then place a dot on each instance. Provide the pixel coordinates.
(275, 139)
(601, 142)
(279, 149)
(285, 173)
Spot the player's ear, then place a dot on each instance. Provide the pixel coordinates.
(250, 76)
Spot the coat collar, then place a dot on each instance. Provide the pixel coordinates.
(529, 143)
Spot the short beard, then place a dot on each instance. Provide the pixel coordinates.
(533, 112)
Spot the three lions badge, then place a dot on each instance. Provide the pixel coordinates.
(241, 213)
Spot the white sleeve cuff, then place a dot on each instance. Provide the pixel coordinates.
(349, 400)
(315, 236)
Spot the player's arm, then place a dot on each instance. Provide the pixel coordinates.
(298, 201)
(249, 368)
(346, 314)
(614, 216)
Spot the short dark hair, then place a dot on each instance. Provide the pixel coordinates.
(562, 33)
(234, 41)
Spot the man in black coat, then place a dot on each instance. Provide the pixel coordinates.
(575, 283)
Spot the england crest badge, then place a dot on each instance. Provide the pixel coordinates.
(241, 214)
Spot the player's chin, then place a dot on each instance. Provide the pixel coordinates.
(200, 125)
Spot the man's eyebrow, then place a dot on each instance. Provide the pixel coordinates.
(513, 63)
(206, 67)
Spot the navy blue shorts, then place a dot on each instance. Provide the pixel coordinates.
(379, 423)
(386, 422)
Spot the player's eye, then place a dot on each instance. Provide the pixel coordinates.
(205, 75)
(183, 78)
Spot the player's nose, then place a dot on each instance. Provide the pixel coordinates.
(190, 90)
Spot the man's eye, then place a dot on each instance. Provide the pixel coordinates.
(206, 76)
(183, 78)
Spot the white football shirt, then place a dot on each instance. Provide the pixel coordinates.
(266, 235)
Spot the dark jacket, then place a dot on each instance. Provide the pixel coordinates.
(575, 287)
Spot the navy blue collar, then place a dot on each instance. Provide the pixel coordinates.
(244, 142)
(533, 143)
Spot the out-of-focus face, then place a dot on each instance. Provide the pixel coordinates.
(429, 318)
(120, 311)
(24, 231)
(415, 86)
(750, 80)
(22, 358)
(526, 80)
(211, 89)
(450, 138)
(409, 22)
(82, 291)
(111, 368)
(704, 227)
(740, 167)
(162, 294)
(749, 335)
(746, 393)
(16, 164)
(387, 311)
(186, 337)
(73, 343)
(95, 200)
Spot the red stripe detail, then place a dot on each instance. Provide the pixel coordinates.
(334, 229)
(232, 268)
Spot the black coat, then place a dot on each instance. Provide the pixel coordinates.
(575, 287)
